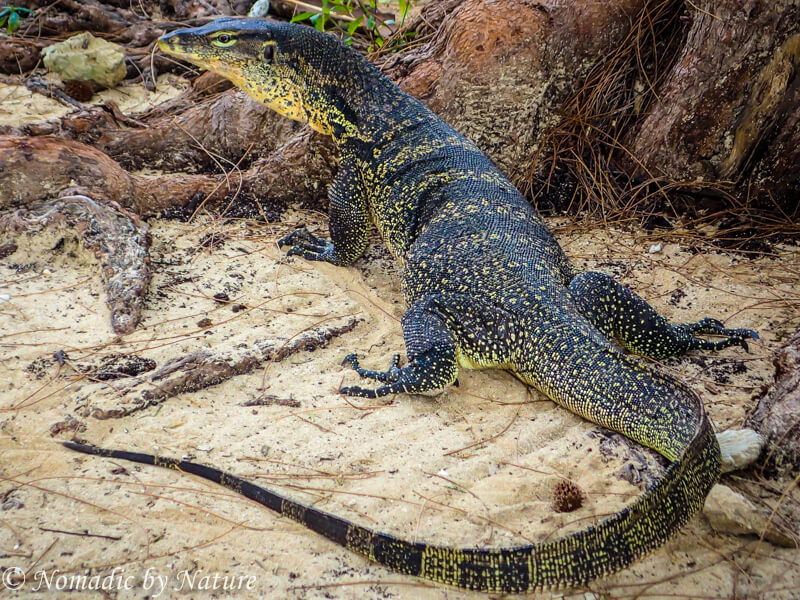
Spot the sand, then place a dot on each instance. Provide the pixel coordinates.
(475, 466)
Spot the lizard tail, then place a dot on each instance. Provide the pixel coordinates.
(572, 560)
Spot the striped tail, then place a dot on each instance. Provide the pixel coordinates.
(572, 560)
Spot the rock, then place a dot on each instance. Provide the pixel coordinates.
(739, 448)
(84, 57)
(729, 512)
(259, 9)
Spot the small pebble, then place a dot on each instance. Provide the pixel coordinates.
(259, 9)
(656, 248)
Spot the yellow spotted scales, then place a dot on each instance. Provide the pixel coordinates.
(486, 285)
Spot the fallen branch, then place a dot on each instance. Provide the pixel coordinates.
(200, 370)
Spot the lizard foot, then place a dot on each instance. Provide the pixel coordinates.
(391, 375)
(306, 244)
(431, 371)
(734, 337)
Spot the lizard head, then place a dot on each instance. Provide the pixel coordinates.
(291, 68)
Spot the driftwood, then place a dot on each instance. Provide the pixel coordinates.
(777, 417)
(200, 370)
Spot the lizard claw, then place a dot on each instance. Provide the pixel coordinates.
(350, 360)
(306, 244)
(390, 375)
(355, 390)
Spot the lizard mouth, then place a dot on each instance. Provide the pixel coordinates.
(171, 43)
(188, 46)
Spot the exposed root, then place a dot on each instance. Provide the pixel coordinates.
(118, 238)
(200, 370)
(777, 416)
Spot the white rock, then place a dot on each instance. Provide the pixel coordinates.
(259, 9)
(739, 447)
(729, 512)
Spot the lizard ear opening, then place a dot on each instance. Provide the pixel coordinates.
(269, 52)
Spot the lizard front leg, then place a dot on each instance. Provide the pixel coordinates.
(348, 221)
(431, 350)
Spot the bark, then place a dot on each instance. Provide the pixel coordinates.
(42, 168)
(777, 416)
(215, 134)
(729, 110)
(500, 71)
(118, 238)
(19, 56)
(35, 169)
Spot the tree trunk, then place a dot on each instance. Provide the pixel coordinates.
(729, 109)
(777, 416)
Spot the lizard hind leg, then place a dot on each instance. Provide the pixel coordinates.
(431, 350)
(618, 312)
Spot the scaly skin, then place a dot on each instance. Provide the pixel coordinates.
(487, 285)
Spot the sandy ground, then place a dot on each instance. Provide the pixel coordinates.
(475, 466)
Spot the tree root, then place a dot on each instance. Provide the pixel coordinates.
(777, 417)
(119, 239)
(200, 370)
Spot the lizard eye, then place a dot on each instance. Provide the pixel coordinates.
(223, 40)
(269, 52)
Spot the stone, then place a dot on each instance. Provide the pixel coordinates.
(729, 512)
(84, 57)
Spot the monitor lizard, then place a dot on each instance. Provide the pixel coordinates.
(486, 285)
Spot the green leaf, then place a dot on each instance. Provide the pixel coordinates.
(319, 21)
(303, 16)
